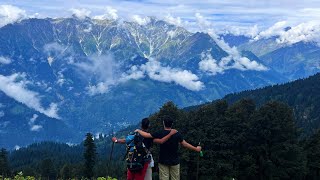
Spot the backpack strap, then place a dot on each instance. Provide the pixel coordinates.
(145, 149)
(128, 149)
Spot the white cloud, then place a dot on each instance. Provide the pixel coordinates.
(4, 60)
(134, 73)
(276, 30)
(71, 144)
(61, 80)
(102, 69)
(88, 29)
(209, 64)
(55, 51)
(108, 74)
(172, 20)
(154, 70)
(35, 128)
(50, 60)
(111, 13)
(35, 15)
(203, 23)
(303, 32)
(243, 63)
(250, 32)
(233, 61)
(54, 48)
(100, 88)
(140, 20)
(306, 32)
(14, 86)
(253, 31)
(33, 119)
(16, 147)
(80, 13)
(10, 14)
(167, 74)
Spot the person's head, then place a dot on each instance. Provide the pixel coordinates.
(167, 121)
(145, 123)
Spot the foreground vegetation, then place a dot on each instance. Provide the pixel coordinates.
(239, 141)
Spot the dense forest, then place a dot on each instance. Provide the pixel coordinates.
(260, 137)
(239, 141)
(301, 95)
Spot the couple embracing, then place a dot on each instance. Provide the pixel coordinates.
(169, 140)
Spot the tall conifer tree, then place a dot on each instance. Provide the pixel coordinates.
(4, 164)
(89, 156)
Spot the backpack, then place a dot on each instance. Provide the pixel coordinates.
(137, 153)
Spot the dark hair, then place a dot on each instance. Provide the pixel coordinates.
(168, 121)
(145, 123)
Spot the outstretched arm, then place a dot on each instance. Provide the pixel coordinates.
(166, 138)
(121, 141)
(189, 146)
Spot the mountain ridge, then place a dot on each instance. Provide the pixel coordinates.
(97, 75)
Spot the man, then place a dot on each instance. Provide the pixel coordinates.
(146, 172)
(169, 165)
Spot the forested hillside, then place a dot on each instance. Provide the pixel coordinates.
(239, 140)
(301, 95)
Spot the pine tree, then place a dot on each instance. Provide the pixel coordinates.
(169, 109)
(89, 156)
(236, 130)
(312, 149)
(47, 169)
(275, 147)
(66, 171)
(4, 164)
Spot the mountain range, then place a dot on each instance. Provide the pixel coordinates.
(61, 78)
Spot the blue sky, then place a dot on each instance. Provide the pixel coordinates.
(264, 13)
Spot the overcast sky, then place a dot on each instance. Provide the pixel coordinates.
(221, 13)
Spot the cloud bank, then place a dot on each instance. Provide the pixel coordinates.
(305, 32)
(233, 61)
(288, 35)
(14, 86)
(222, 13)
(107, 73)
(275, 30)
(10, 14)
(155, 71)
